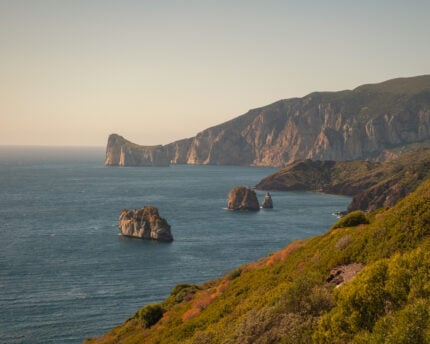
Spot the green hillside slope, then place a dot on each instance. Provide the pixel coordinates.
(363, 284)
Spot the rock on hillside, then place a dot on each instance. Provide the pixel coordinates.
(370, 122)
(121, 152)
(145, 223)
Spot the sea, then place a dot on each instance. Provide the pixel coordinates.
(65, 272)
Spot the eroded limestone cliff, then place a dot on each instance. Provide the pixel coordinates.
(121, 152)
(369, 122)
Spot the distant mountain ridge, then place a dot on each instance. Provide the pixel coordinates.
(371, 122)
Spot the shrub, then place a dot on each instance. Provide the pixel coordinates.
(149, 315)
(183, 292)
(409, 325)
(343, 242)
(353, 219)
(234, 273)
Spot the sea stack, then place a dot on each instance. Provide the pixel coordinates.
(243, 198)
(267, 203)
(145, 223)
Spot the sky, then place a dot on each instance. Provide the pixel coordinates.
(72, 72)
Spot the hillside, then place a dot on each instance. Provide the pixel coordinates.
(371, 184)
(371, 122)
(364, 284)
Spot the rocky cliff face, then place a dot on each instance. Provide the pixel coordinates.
(370, 122)
(120, 152)
(145, 223)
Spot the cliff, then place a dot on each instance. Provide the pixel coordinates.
(366, 284)
(371, 122)
(371, 184)
(145, 223)
(121, 152)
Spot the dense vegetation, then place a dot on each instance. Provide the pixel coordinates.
(372, 184)
(352, 219)
(287, 297)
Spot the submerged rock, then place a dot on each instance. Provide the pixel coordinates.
(145, 223)
(243, 198)
(267, 203)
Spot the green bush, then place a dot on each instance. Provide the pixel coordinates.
(409, 325)
(149, 315)
(235, 273)
(353, 219)
(184, 291)
(387, 303)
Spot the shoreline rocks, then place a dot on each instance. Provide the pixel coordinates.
(371, 185)
(144, 223)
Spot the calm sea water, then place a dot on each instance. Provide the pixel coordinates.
(66, 274)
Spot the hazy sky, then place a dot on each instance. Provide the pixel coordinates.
(74, 71)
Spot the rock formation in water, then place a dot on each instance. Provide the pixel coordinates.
(371, 122)
(268, 202)
(121, 152)
(145, 223)
(243, 198)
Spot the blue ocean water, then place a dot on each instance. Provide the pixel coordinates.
(66, 274)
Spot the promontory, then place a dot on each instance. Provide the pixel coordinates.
(121, 152)
(371, 184)
(372, 122)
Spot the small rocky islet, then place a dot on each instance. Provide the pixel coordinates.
(245, 198)
(268, 202)
(145, 223)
